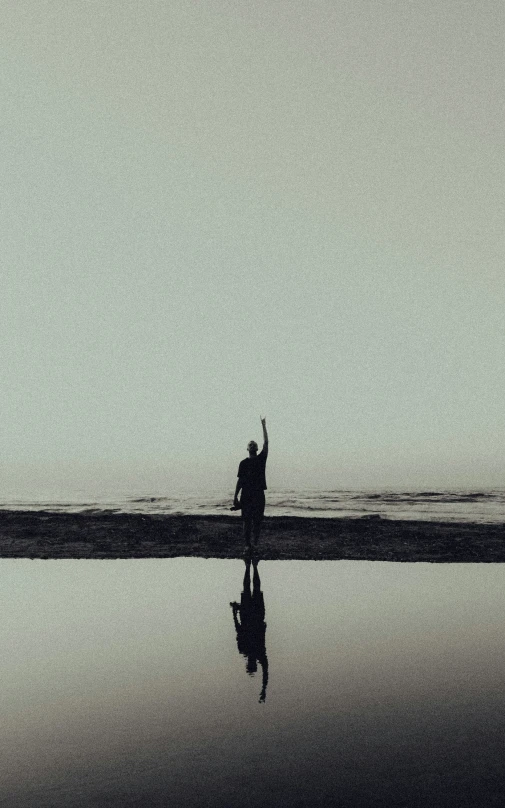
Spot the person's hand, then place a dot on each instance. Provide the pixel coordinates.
(263, 419)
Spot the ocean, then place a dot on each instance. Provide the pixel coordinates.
(487, 506)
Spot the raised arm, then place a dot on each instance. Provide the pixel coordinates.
(265, 434)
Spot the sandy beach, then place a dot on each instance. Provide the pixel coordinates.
(48, 535)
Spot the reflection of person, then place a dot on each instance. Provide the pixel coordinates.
(251, 627)
(252, 482)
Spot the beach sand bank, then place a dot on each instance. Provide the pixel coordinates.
(48, 535)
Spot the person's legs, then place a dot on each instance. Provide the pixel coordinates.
(256, 528)
(258, 511)
(247, 529)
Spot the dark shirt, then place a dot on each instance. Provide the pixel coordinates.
(251, 473)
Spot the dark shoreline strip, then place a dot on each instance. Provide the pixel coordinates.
(48, 535)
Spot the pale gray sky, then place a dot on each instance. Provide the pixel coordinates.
(212, 210)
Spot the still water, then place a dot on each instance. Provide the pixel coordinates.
(136, 683)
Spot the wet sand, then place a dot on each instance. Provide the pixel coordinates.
(113, 535)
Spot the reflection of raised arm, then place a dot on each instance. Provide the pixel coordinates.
(264, 664)
(265, 434)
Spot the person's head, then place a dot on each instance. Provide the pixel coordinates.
(252, 448)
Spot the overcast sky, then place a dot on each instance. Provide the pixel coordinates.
(212, 210)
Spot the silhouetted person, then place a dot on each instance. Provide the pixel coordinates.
(251, 627)
(252, 483)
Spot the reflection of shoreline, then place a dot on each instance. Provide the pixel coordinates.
(116, 535)
(249, 621)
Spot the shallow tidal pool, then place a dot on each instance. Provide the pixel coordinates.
(171, 682)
